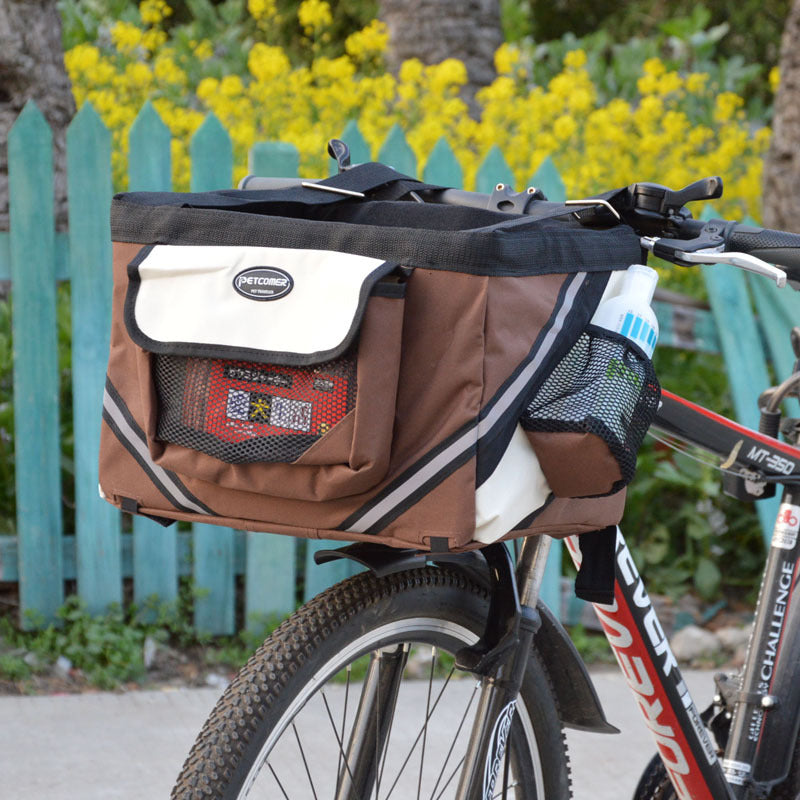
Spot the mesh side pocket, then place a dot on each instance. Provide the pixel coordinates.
(604, 389)
(243, 412)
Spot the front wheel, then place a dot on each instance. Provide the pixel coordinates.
(356, 697)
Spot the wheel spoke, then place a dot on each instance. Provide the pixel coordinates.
(278, 781)
(427, 717)
(344, 725)
(305, 762)
(419, 736)
(505, 790)
(450, 779)
(455, 738)
(338, 742)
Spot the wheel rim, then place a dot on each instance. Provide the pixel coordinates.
(297, 759)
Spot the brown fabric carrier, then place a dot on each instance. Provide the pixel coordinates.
(421, 402)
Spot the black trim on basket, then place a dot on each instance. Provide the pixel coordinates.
(509, 248)
(135, 442)
(205, 350)
(427, 473)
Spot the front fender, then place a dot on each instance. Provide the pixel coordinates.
(579, 705)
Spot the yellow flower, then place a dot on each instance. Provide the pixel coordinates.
(153, 39)
(167, 71)
(81, 59)
(669, 82)
(696, 82)
(564, 127)
(726, 105)
(231, 86)
(314, 15)
(654, 67)
(203, 50)
(261, 9)
(126, 37)
(506, 59)
(575, 59)
(267, 63)
(368, 42)
(411, 70)
(207, 88)
(153, 12)
(774, 79)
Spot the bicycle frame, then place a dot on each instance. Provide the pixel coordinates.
(765, 721)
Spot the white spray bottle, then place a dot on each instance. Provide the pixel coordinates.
(629, 312)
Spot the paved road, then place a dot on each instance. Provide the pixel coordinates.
(130, 746)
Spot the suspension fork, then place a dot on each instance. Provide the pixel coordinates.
(501, 659)
(360, 767)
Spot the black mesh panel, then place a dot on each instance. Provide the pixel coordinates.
(603, 386)
(242, 412)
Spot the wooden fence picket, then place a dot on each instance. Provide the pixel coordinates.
(211, 152)
(270, 559)
(36, 378)
(97, 523)
(442, 166)
(395, 152)
(155, 548)
(493, 170)
(274, 160)
(548, 179)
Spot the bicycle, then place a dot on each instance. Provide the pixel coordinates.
(311, 714)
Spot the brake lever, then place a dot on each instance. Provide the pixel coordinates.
(717, 255)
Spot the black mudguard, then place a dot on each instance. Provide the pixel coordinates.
(578, 703)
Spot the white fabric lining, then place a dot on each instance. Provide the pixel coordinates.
(515, 489)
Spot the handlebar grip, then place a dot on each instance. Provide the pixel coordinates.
(775, 247)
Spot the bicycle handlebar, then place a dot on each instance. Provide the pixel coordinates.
(775, 247)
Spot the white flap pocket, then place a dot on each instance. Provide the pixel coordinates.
(265, 304)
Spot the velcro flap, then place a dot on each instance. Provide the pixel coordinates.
(264, 304)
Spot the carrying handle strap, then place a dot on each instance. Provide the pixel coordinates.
(377, 181)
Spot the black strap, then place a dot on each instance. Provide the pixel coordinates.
(595, 581)
(131, 506)
(377, 181)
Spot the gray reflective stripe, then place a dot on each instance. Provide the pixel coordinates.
(470, 437)
(173, 492)
(513, 391)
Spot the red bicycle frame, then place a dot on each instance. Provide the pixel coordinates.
(765, 720)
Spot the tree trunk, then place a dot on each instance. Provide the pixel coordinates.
(433, 30)
(32, 68)
(782, 164)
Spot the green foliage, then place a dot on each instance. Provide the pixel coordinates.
(14, 668)
(85, 20)
(679, 525)
(689, 44)
(755, 25)
(108, 649)
(593, 647)
(226, 23)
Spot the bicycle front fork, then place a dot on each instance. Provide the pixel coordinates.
(501, 657)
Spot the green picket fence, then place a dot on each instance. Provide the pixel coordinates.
(259, 573)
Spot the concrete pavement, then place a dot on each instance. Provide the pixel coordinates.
(105, 746)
